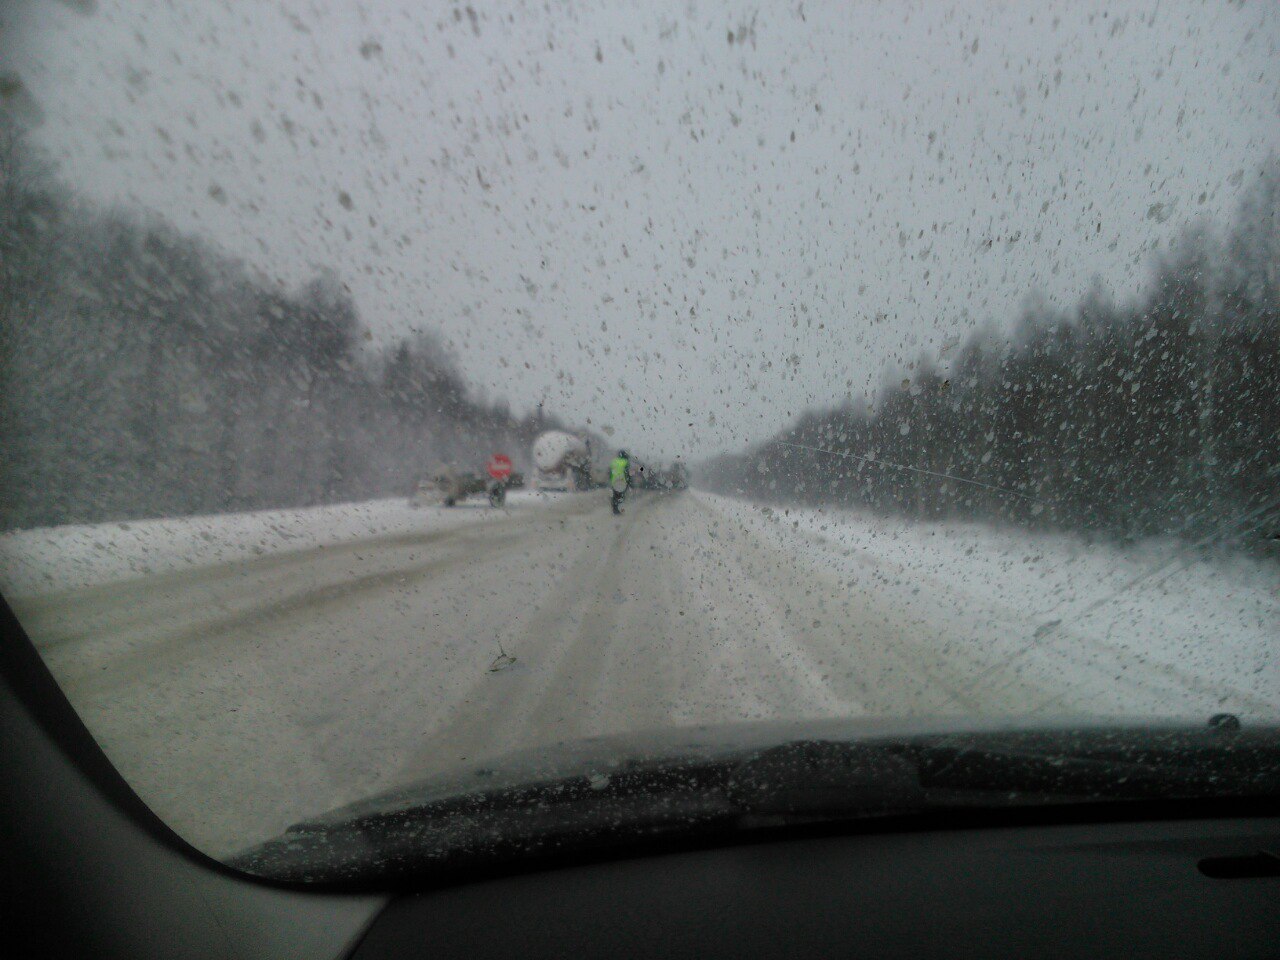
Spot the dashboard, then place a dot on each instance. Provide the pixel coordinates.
(1124, 890)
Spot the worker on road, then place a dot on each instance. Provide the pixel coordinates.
(619, 479)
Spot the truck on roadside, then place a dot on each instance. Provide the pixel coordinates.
(561, 461)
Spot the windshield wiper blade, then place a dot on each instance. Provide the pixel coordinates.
(607, 806)
(642, 801)
(1106, 764)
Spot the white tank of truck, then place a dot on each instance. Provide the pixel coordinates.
(561, 461)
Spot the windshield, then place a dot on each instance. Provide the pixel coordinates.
(394, 390)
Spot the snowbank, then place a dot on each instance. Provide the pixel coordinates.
(48, 559)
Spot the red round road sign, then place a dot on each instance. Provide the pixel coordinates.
(499, 466)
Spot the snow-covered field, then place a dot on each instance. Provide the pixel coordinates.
(247, 671)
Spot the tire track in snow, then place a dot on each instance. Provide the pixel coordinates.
(508, 709)
(869, 645)
(200, 632)
(122, 604)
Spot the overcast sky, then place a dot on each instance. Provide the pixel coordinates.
(682, 222)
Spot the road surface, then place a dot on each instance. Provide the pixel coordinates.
(241, 697)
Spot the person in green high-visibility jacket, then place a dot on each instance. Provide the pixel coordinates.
(619, 479)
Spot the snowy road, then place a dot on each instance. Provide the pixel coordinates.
(243, 694)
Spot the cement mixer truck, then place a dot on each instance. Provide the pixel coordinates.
(561, 461)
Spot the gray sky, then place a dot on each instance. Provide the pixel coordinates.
(615, 207)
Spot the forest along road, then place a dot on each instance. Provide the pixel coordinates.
(242, 697)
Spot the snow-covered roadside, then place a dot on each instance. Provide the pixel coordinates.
(48, 559)
(1213, 617)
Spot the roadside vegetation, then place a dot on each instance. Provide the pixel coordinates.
(1156, 416)
(145, 373)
